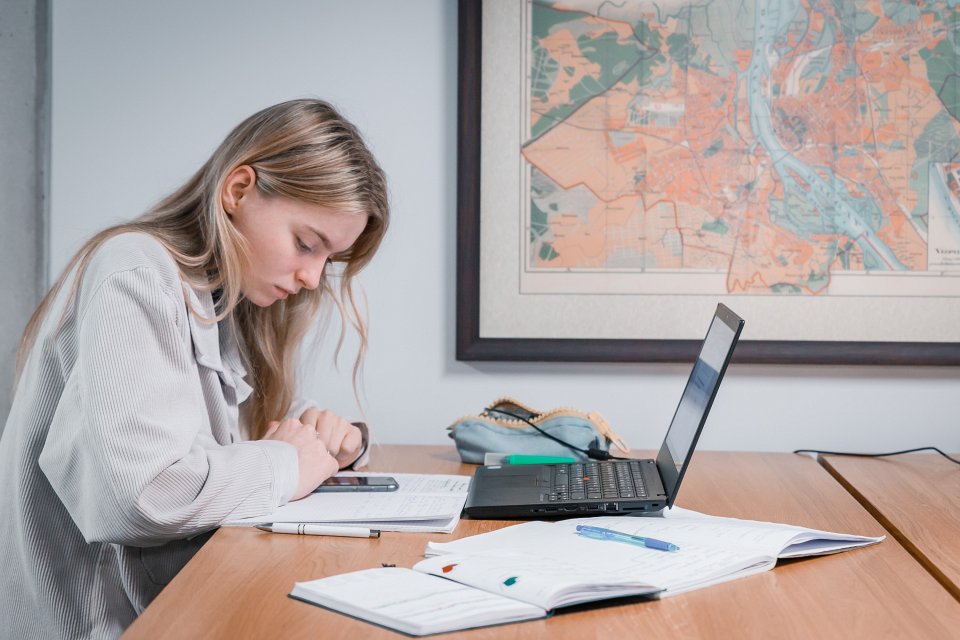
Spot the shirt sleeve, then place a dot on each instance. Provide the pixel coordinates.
(364, 458)
(130, 451)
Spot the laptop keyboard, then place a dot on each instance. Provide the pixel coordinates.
(609, 479)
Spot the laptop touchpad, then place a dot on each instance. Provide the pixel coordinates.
(496, 481)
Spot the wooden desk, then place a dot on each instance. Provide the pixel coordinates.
(916, 498)
(236, 585)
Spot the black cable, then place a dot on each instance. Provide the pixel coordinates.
(592, 452)
(877, 455)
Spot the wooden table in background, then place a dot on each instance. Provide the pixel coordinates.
(237, 585)
(916, 498)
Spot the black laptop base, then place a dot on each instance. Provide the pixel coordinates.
(558, 498)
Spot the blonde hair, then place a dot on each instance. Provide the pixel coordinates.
(303, 150)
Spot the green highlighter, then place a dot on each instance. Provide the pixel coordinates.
(522, 459)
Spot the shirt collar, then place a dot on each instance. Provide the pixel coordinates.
(215, 344)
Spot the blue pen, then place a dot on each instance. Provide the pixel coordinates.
(598, 533)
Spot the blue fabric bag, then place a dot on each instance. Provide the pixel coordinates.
(495, 430)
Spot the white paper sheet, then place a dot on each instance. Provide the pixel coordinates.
(423, 502)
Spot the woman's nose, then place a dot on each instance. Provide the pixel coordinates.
(310, 276)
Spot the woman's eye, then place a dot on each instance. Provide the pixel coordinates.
(302, 247)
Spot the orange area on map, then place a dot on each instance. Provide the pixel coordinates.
(670, 170)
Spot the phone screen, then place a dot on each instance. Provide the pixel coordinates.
(358, 483)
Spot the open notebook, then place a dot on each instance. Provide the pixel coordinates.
(527, 570)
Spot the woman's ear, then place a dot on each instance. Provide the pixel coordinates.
(239, 183)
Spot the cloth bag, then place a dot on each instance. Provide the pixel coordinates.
(496, 432)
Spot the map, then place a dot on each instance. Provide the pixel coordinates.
(777, 147)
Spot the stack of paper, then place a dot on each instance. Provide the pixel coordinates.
(423, 503)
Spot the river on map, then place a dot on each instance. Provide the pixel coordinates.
(844, 213)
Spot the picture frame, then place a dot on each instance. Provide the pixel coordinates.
(473, 345)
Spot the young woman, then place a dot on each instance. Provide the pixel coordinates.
(153, 397)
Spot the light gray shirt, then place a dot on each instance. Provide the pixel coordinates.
(123, 448)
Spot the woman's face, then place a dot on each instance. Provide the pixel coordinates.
(289, 242)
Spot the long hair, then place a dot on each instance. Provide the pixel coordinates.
(303, 150)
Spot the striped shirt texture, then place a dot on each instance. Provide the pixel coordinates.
(123, 449)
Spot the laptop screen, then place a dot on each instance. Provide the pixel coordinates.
(698, 395)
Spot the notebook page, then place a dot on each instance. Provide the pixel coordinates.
(782, 540)
(711, 549)
(412, 602)
(420, 497)
(546, 582)
(550, 546)
(679, 526)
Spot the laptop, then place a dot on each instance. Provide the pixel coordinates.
(614, 487)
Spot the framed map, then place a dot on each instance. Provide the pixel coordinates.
(623, 167)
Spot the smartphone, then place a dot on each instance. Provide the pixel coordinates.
(358, 483)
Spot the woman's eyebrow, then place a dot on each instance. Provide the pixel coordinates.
(323, 237)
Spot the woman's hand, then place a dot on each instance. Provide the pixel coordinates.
(343, 440)
(315, 461)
